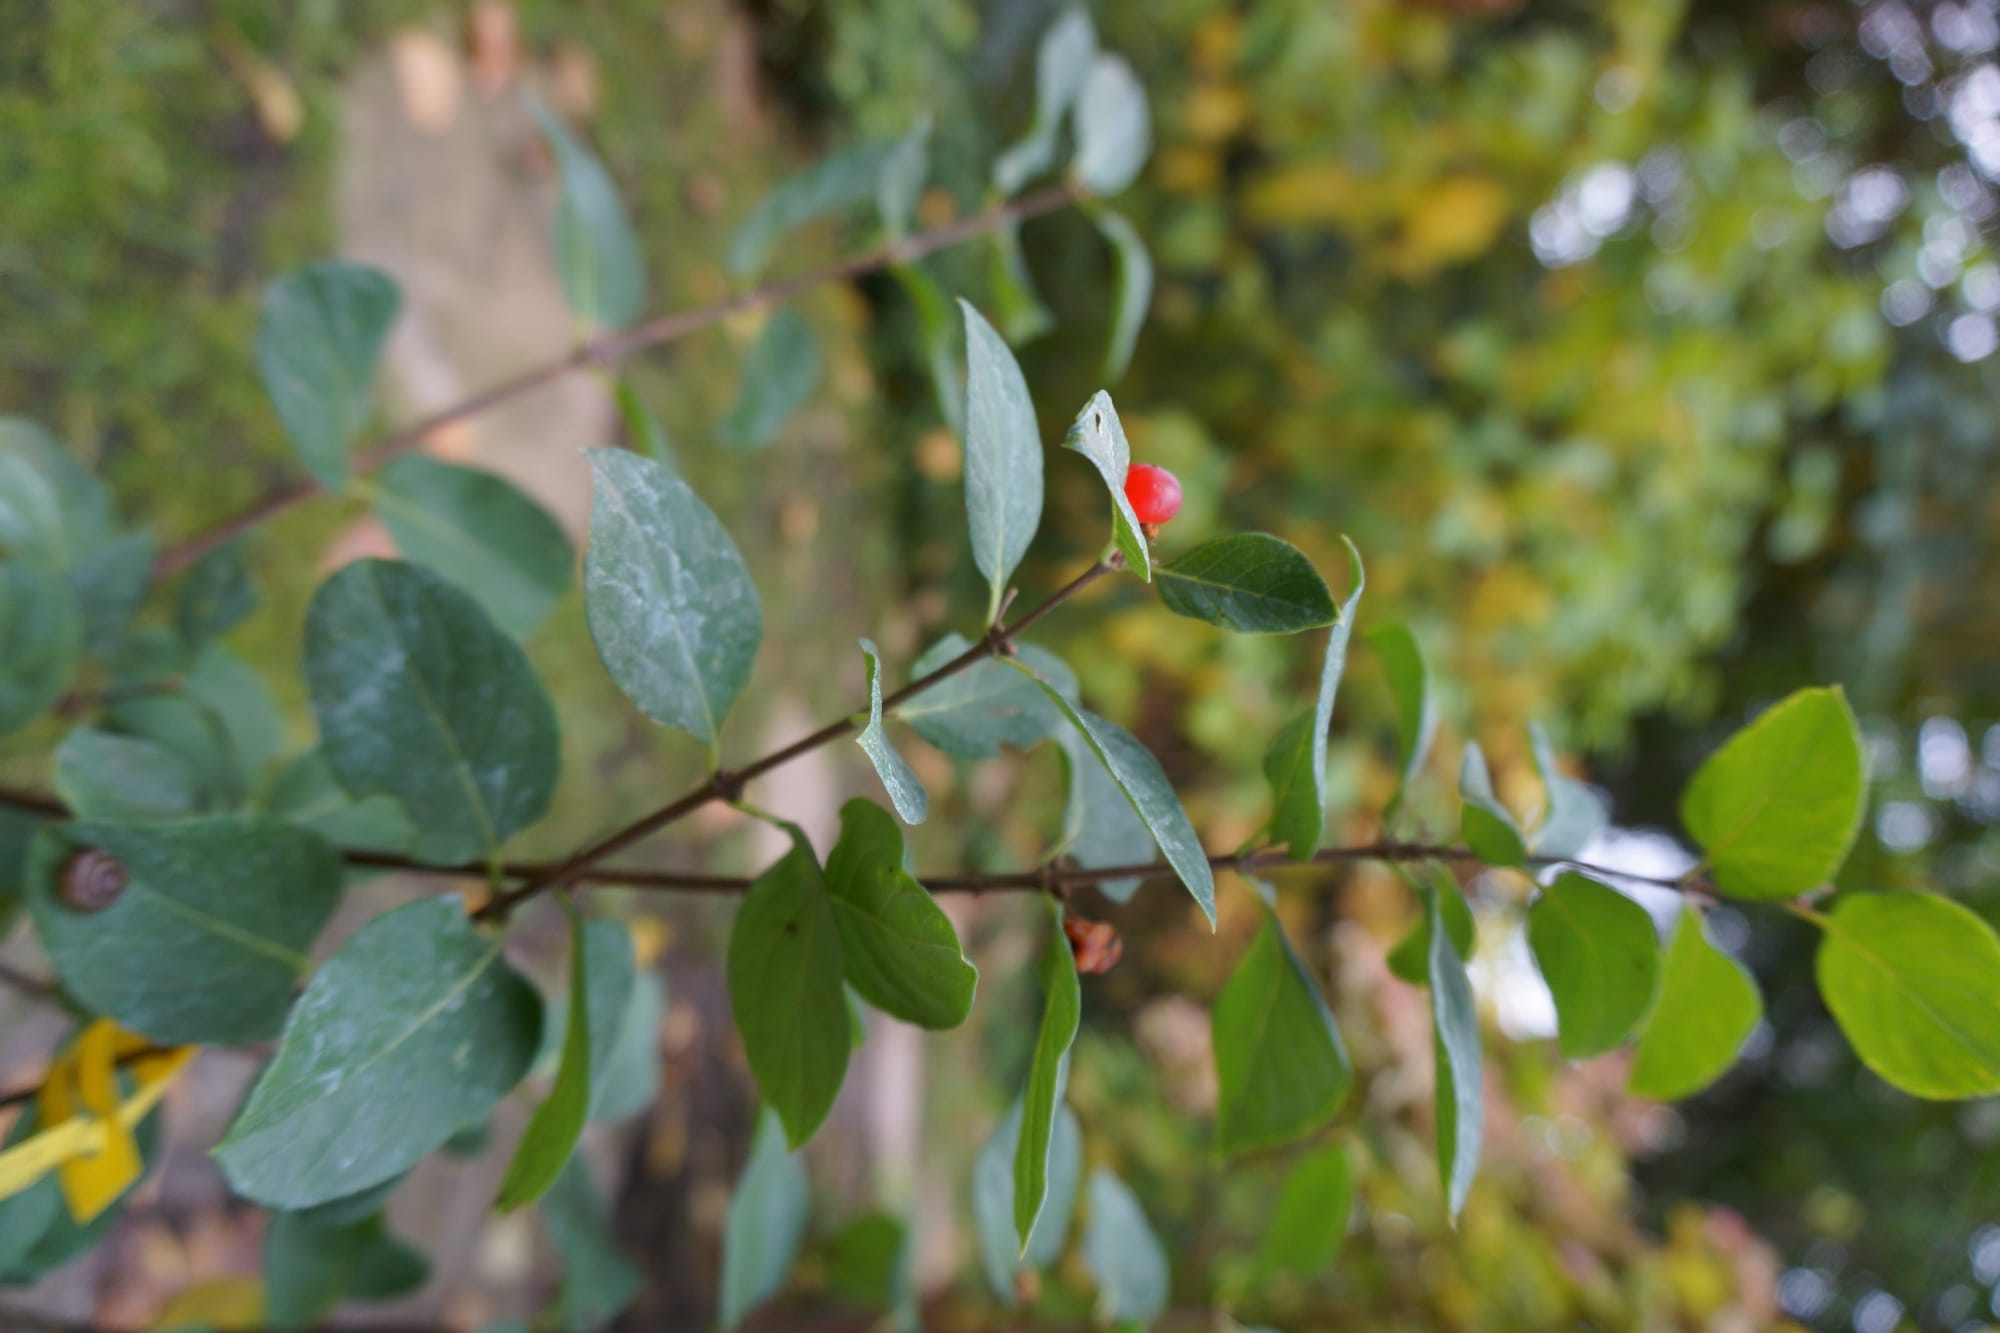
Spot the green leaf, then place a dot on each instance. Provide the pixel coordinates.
(780, 374)
(1486, 825)
(603, 272)
(1062, 63)
(1296, 764)
(480, 532)
(210, 934)
(1409, 686)
(1124, 1256)
(900, 183)
(1461, 1101)
(1251, 583)
(41, 640)
(630, 1077)
(1600, 954)
(421, 698)
(1913, 979)
(307, 795)
(17, 831)
(1100, 827)
(1575, 814)
(194, 731)
(1047, 1072)
(109, 582)
(1098, 435)
(911, 801)
(309, 1267)
(767, 1220)
(1132, 266)
(598, 1282)
(785, 970)
(1311, 1215)
(558, 1122)
(1410, 960)
(1281, 1070)
(101, 775)
(901, 951)
(973, 713)
(868, 1263)
(317, 345)
(1708, 1007)
(838, 181)
(53, 512)
(250, 725)
(644, 435)
(1003, 457)
(940, 339)
(217, 594)
(1777, 807)
(1145, 785)
(1017, 306)
(414, 1029)
(1114, 130)
(1001, 1254)
(672, 608)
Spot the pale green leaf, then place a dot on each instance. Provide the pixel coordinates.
(1486, 825)
(782, 370)
(1296, 764)
(598, 1282)
(1098, 435)
(103, 775)
(1409, 686)
(940, 333)
(1310, 1218)
(835, 182)
(1707, 1008)
(975, 711)
(317, 345)
(644, 435)
(480, 532)
(1062, 62)
(306, 794)
(1125, 1257)
(53, 512)
(766, 1222)
(1100, 827)
(1575, 814)
(1410, 960)
(1114, 129)
(1600, 954)
(557, 1123)
(1132, 266)
(603, 272)
(1001, 1254)
(908, 795)
(1461, 1099)
(1003, 457)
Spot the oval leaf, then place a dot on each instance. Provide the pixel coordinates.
(1600, 954)
(766, 1222)
(53, 512)
(317, 344)
(1777, 807)
(603, 273)
(1486, 825)
(973, 712)
(413, 1030)
(899, 947)
(480, 532)
(41, 639)
(1252, 583)
(1126, 1258)
(1114, 131)
(837, 181)
(780, 374)
(1098, 435)
(1003, 457)
(672, 608)
(1311, 1215)
(421, 698)
(785, 970)
(1047, 1071)
(1281, 1069)
(911, 802)
(1461, 1098)
(1708, 1007)
(1914, 981)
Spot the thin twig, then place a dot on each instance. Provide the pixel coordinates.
(608, 348)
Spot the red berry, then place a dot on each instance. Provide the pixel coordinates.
(1155, 493)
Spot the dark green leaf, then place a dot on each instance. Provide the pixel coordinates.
(1098, 435)
(598, 1282)
(1061, 1013)
(1251, 583)
(974, 712)
(109, 582)
(767, 1220)
(251, 727)
(1114, 130)
(1777, 807)
(306, 794)
(310, 1267)
(1410, 960)
(17, 831)
(1003, 457)
(217, 594)
(421, 698)
(644, 435)
(210, 934)
(672, 608)
(868, 1263)
(911, 801)
(1000, 1250)
(317, 346)
(1575, 814)
(1062, 62)
(603, 272)
(1296, 764)
(1133, 267)
(1914, 981)
(1281, 1070)
(41, 639)
(1017, 306)
(1409, 685)
(53, 513)
(1126, 1258)
(940, 337)
(415, 1028)
(1100, 827)
(785, 970)
(835, 182)
(900, 949)
(780, 374)
(558, 1122)
(1145, 785)
(1485, 824)
(1600, 954)
(1310, 1218)
(1708, 1007)
(102, 775)
(192, 730)
(1461, 1098)
(480, 532)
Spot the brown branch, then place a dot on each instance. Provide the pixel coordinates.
(14, 1319)
(608, 348)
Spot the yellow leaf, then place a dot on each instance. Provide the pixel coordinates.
(1305, 194)
(221, 1303)
(1450, 220)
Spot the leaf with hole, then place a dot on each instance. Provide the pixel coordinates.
(1098, 435)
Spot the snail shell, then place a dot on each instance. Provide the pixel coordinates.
(92, 880)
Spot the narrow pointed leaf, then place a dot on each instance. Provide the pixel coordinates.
(603, 272)
(1409, 686)
(1410, 960)
(644, 435)
(1913, 979)
(1600, 954)
(1281, 1069)
(1062, 1011)
(420, 697)
(1062, 62)
(1777, 807)
(766, 1222)
(1017, 305)
(1310, 1218)
(1100, 827)
(1575, 814)
(1003, 456)
(1001, 1254)
(785, 987)
(1461, 1102)
(908, 795)
(598, 1282)
(671, 605)
(558, 1122)
(1114, 129)
(899, 185)
(1486, 825)
(414, 1029)
(836, 182)
(1125, 1257)
(1252, 583)
(41, 641)
(481, 533)
(317, 346)
(1132, 265)
(1708, 1007)
(1098, 435)
(900, 949)
(974, 712)
(779, 376)
(1296, 764)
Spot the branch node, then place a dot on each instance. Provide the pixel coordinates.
(728, 785)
